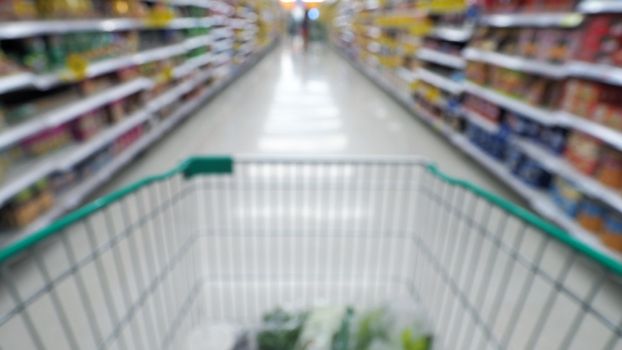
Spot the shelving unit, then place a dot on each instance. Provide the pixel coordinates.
(454, 118)
(211, 72)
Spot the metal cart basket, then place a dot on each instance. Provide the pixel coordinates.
(221, 239)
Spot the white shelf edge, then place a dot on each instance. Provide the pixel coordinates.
(482, 122)
(601, 132)
(600, 72)
(15, 82)
(560, 167)
(517, 63)
(538, 114)
(600, 6)
(440, 81)
(442, 58)
(563, 20)
(452, 33)
(24, 29)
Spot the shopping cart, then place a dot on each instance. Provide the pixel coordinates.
(222, 240)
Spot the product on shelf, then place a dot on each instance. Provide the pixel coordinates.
(17, 9)
(27, 206)
(583, 152)
(596, 101)
(495, 6)
(477, 72)
(483, 108)
(46, 141)
(64, 8)
(612, 232)
(602, 40)
(535, 90)
(566, 196)
(591, 215)
(89, 125)
(610, 169)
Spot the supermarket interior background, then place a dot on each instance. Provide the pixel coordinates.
(519, 98)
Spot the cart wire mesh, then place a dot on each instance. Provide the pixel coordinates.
(223, 240)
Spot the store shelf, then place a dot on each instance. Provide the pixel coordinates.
(191, 64)
(440, 81)
(78, 194)
(516, 63)
(600, 6)
(23, 29)
(542, 20)
(538, 114)
(602, 132)
(15, 82)
(406, 75)
(47, 81)
(480, 121)
(452, 33)
(441, 58)
(600, 72)
(65, 114)
(538, 200)
(556, 164)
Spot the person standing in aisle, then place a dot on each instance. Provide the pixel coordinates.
(306, 30)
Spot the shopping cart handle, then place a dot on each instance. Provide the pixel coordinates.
(207, 165)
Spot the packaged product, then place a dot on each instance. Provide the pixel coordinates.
(612, 232)
(583, 152)
(552, 138)
(555, 45)
(89, 125)
(602, 40)
(566, 196)
(591, 215)
(608, 115)
(514, 159)
(533, 173)
(527, 45)
(26, 206)
(45, 196)
(46, 141)
(64, 8)
(17, 9)
(20, 210)
(610, 168)
(116, 111)
(477, 72)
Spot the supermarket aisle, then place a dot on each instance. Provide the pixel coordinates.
(305, 103)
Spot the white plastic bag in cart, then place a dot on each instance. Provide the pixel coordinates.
(214, 337)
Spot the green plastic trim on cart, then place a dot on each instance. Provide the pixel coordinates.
(225, 165)
(189, 168)
(534, 220)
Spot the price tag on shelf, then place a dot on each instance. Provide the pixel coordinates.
(78, 65)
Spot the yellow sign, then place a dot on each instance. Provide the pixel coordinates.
(78, 65)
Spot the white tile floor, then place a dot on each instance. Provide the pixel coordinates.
(296, 102)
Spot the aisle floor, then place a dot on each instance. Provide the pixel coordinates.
(296, 102)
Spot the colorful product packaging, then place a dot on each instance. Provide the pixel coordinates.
(612, 232)
(591, 215)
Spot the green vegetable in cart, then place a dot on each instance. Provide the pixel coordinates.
(280, 330)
